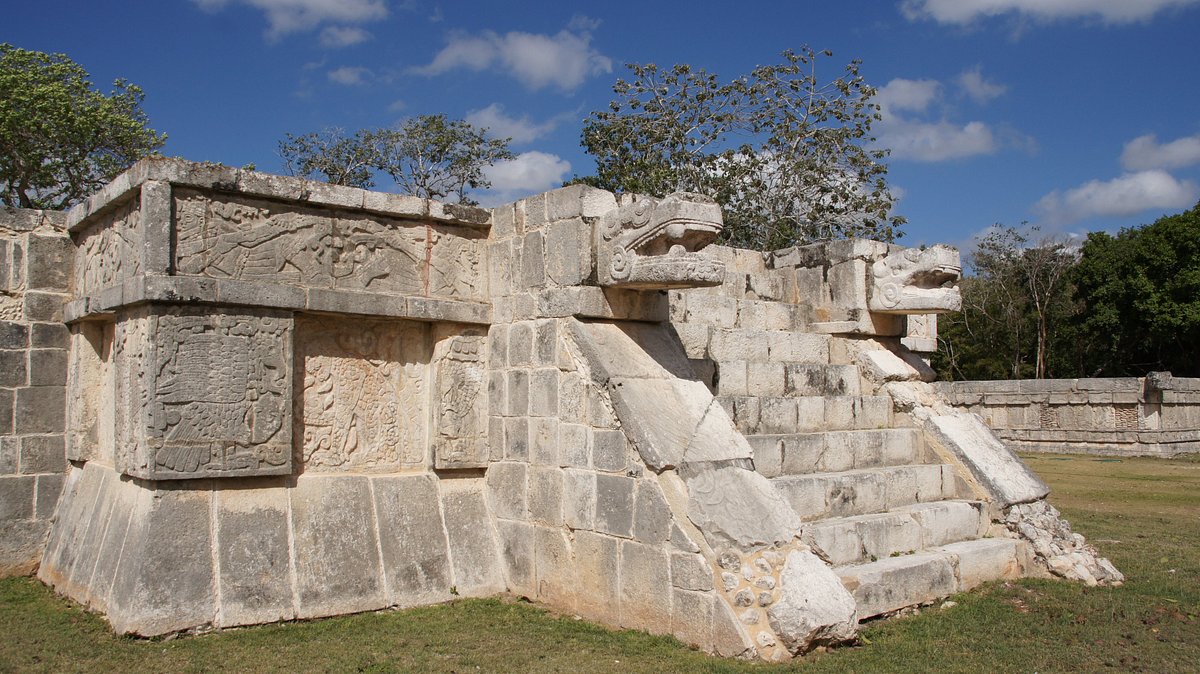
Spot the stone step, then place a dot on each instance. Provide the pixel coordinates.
(755, 415)
(864, 491)
(779, 379)
(826, 452)
(928, 575)
(901, 531)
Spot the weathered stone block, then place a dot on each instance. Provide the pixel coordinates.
(645, 587)
(691, 616)
(568, 259)
(40, 409)
(597, 566)
(47, 367)
(543, 392)
(609, 450)
(252, 546)
(557, 582)
(574, 446)
(44, 306)
(337, 550)
(416, 560)
(579, 499)
(517, 554)
(518, 392)
(43, 454)
(49, 489)
(48, 336)
(516, 439)
(614, 504)
(546, 495)
(49, 262)
(508, 489)
(652, 516)
(13, 335)
(16, 497)
(690, 571)
(474, 553)
(533, 261)
(543, 439)
(14, 371)
(460, 418)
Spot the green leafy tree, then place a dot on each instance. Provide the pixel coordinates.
(434, 157)
(332, 156)
(784, 151)
(1017, 308)
(429, 156)
(60, 139)
(1140, 292)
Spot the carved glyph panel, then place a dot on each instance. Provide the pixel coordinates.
(361, 394)
(461, 438)
(203, 395)
(256, 239)
(107, 251)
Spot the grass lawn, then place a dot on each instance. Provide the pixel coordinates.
(1144, 514)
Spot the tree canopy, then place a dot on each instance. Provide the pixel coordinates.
(1118, 305)
(784, 151)
(429, 156)
(60, 139)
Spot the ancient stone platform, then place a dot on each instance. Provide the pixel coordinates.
(285, 399)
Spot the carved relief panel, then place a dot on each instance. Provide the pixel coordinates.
(257, 239)
(361, 394)
(203, 395)
(460, 402)
(107, 251)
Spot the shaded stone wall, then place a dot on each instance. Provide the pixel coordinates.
(1150, 416)
(35, 270)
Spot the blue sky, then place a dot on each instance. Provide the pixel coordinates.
(1076, 115)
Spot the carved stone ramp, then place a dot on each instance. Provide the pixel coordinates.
(749, 534)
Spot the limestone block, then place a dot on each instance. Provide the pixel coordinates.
(39, 409)
(598, 569)
(43, 454)
(516, 439)
(691, 618)
(645, 587)
(520, 344)
(337, 550)
(165, 580)
(896, 582)
(814, 607)
(517, 390)
(881, 365)
(1007, 479)
(777, 415)
(460, 419)
(750, 345)
(557, 582)
(543, 392)
(507, 489)
(615, 504)
(49, 489)
(732, 378)
(253, 552)
(661, 439)
(579, 499)
(735, 506)
(16, 497)
(810, 413)
(546, 495)
(361, 391)
(572, 398)
(568, 260)
(574, 445)
(652, 515)
(533, 262)
(717, 439)
(543, 441)
(609, 450)
(517, 554)
(765, 379)
(980, 561)
(474, 553)
(202, 395)
(690, 571)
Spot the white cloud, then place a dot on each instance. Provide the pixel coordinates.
(502, 125)
(1129, 194)
(980, 90)
(936, 141)
(1145, 152)
(962, 12)
(909, 137)
(563, 60)
(902, 94)
(529, 173)
(290, 16)
(350, 76)
(342, 36)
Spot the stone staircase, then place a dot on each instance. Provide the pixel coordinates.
(899, 527)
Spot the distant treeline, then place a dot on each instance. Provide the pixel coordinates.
(1114, 306)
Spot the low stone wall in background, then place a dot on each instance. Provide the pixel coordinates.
(1157, 415)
